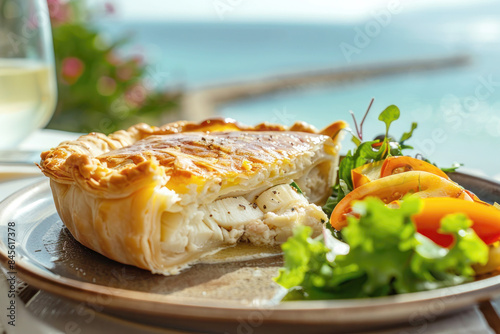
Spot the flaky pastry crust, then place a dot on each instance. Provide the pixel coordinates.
(114, 192)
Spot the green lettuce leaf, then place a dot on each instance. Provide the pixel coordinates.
(453, 168)
(389, 115)
(408, 135)
(387, 256)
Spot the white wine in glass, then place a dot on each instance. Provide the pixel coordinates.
(27, 74)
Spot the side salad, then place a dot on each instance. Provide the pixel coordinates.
(398, 224)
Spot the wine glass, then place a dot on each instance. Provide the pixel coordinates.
(27, 73)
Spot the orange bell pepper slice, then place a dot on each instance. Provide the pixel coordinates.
(401, 164)
(390, 166)
(395, 187)
(486, 219)
(394, 165)
(366, 173)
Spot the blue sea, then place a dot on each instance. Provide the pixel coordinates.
(457, 109)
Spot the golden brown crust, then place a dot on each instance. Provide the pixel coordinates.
(135, 196)
(118, 164)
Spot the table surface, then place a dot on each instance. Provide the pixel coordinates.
(47, 313)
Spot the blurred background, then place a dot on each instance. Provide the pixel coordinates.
(124, 61)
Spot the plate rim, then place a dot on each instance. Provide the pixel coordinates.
(158, 304)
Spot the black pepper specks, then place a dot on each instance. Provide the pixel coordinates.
(242, 206)
(254, 205)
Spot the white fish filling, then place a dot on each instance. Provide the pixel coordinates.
(268, 220)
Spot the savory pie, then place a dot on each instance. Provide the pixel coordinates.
(160, 198)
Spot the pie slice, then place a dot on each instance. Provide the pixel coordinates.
(160, 198)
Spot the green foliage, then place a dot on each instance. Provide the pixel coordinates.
(365, 153)
(387, 256)
(389, 115)
(98, 90)
(453, 168)
(296, 187)
(406, 136)
(333, 200)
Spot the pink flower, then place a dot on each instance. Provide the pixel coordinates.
(138, 59)
(52, 4)
(136, 95)
(71, 70)
(110, 8)
(59, 12)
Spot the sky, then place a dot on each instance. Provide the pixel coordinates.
(269, 10)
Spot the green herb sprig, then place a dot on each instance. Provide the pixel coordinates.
(367, 152)
(371, 151)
